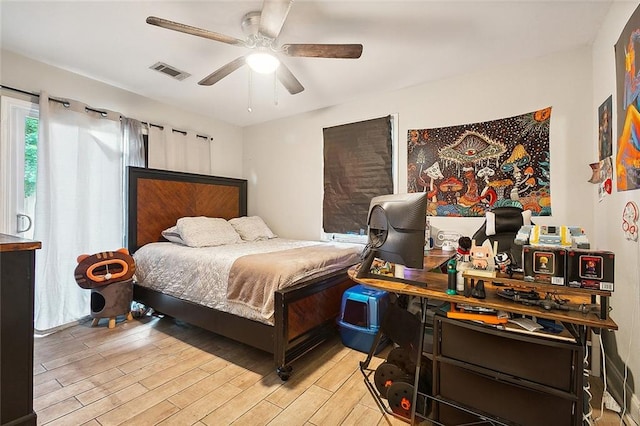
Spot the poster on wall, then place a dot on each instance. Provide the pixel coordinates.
(605, 148)
(602, 175)
(628, 117)
(469, 169)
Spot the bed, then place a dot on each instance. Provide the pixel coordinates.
(303, 314)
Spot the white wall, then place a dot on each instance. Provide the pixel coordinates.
(23, 73)
(283, 159)
(624, 344)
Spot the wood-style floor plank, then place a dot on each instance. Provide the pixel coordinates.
(261, 414)
(154, 415)
(202, 407)
(159, 371)
(341, 402)
(58, 410)
(45, 388)
(74, 389)
(149, 399)
(298, 412)
(209, 384)
(244, 401)
(96, 409)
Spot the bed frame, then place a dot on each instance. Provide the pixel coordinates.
(305, 314)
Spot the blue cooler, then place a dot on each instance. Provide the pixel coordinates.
(360, 316)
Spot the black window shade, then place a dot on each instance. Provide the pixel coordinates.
(357, 167)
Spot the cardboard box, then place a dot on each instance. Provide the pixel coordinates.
(544, 264)
(591, 269)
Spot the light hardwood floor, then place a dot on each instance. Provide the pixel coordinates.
(157, 371)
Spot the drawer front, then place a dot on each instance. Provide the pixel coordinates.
(533, 359)
(503, 400)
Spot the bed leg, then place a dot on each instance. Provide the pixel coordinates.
(284, 372)
(95, 322)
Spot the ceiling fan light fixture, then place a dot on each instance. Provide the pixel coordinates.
(262, 62)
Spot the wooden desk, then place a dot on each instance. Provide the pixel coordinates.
(436, 286)
(498, 381)
(436, 258)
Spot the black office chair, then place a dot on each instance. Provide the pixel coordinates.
(502, 224)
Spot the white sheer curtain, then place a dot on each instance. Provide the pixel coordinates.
(79, 204)
(134, 155)
(180, 151)
(133, 142)
(198, 154)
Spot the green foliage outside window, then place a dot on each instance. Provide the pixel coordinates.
(30, 156)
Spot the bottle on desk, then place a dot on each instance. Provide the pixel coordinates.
(461, 266)
(452, 276)
(463, 257)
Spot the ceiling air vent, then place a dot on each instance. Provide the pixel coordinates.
(170, 71)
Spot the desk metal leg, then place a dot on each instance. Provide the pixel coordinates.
(364, 365)
(604, 307)
(374, 346)
(586, 400)
(416, 383)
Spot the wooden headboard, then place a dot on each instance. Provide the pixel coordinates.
(158, 198)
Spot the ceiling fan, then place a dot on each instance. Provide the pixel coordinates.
(262, 29)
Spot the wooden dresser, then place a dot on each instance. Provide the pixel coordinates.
(17, 264)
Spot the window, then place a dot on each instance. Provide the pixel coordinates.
(18, 165)
(359, 164)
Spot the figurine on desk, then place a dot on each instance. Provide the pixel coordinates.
(503, 263)
(463, 253)
(482, 258)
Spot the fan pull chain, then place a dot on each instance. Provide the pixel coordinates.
(275, 88)
(249, 108)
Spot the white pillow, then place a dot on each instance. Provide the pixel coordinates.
(172, 234)
(206, 231)
(252, 228)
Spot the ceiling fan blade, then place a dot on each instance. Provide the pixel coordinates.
(345, 51)
(222, 72)
(272, 17)
(288, 80)
(188, 29)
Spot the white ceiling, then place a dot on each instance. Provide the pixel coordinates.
(405, 43)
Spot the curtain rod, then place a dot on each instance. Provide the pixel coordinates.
(184, 132)
(103, 113)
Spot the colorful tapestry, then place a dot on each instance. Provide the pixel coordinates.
(469, 169)
(628, 88)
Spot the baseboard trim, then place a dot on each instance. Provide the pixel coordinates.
(634, 412)
(615, 381)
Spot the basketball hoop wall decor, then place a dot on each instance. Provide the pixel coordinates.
(630, 221)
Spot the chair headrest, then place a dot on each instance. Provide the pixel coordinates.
(506, 219)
